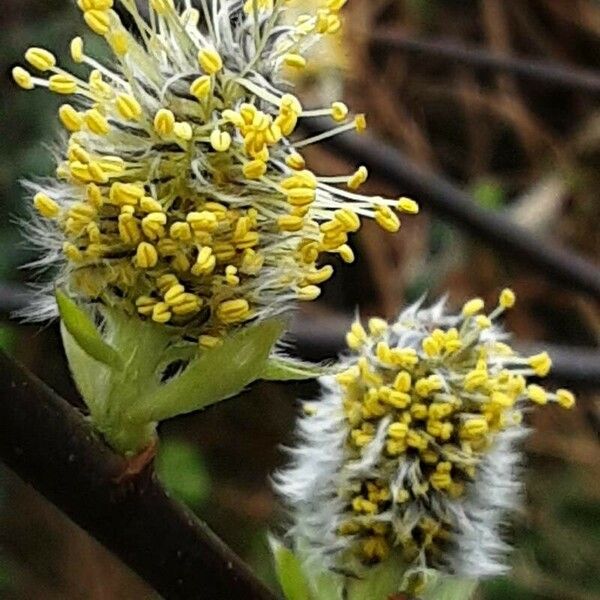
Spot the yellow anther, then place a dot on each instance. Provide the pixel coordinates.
(71, 119)
(357, 331)
(302, 178)
(76, 47)
(180, 231)
(358, 178)
(289, 103)
(23, 78)
(203, 221)
(537, 394)
(80, 171)
(540, 363)
(404, 357)
(119, 42)
(301, 196)
(403, 381)
(96, 122)
(475, 379)
(431, 347)
(209, 341)
(231, 276)
(95, 4)
(336, 5)
(308, 293)
(290, 223)
(501, 400)
(319, 276)
(254, 169)
(146, 256)
(126, 193)
(261, 5)
(40, 58)
(287, 122)
(296, 61)
(440, 480)
(161, 312)
(507, 298)
(62, 84)
(82, 212)
(233, 117)
(387, 219)
(188, 304)
(202, 87)
(377, 326)
(474, 427)
(162, 7)
(360, 123)
(47, 207)
(407, 205)
(233, 311)
(153, 225)
(97, 173)
(183, 131)
(565, 398)
(362, 505)
(210, 61)
(220, 140)
(418, 410)
(145, 305)
(166, 281)
(295, 161)
(472, 307)
(175, 295)
(164, 122)
(98, 21)
(72, 252)
(76, 152)
(394, 397)
(129, 230)
(416, 440)
(205, 262)
(483, 321)
(339, 111)
(346, 253)
(348, 219)
(113, 165)
(252, 261)
(129, 108)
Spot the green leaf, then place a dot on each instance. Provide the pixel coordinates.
(216, 374)
(280, 368)
(78, 323)
(289, 573)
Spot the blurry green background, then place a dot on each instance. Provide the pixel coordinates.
(519, 147)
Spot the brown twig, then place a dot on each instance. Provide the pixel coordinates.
(50, 445)
(542, 71)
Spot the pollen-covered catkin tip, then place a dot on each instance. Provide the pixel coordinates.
(183, 169)
(410, 456)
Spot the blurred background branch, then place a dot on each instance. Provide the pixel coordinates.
(449, 51)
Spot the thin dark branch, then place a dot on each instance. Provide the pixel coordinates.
(439, 195)
(450, 51)
(50, 445)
